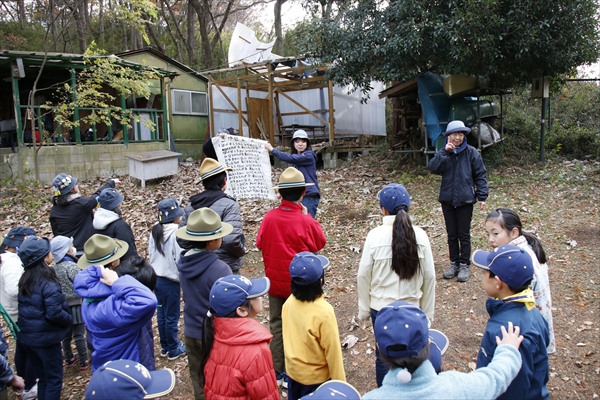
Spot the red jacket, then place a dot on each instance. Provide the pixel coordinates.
(240, 365)
(283, 233)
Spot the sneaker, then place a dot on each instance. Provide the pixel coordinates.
(83, 365)
(463, 273)
(282, 379)
(71, 362)
(30, 394)
(164, 353)
(452, 271)
(179, 352)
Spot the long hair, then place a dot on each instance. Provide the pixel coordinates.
(294, 151)
(405, 253)
(33, 276)
(157, 235)
(208, 336)
(509, 220)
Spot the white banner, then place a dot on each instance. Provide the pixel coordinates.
(251, 175)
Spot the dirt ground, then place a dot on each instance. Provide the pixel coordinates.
(559, 201)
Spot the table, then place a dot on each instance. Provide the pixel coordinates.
(152, 165)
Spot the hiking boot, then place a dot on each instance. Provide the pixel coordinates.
(452, 271)
(463, 273)
(179, 352)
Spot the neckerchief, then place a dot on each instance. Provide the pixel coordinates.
(526, 296)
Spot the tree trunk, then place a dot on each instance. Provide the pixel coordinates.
(278, 31)
(191, 31)
(79, 15)
(176, 41)
(154, 38)
(203, 22)
(101, 20)
(21, 11)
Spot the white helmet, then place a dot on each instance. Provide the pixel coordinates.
(299, 134)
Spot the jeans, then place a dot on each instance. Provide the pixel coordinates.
(381, 367)
(194, 353)
(48, 366)
(458, 227)
(24, 366)
(311, 203)
(77, 332)
(296, 390)
(167, 312)
(276, 345)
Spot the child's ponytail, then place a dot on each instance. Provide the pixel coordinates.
(405, 254)
(157, 235)
(208, 338)
(536, 246)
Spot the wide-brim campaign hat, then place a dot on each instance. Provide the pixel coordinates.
(211, 167)
(438, 345)
(456, 126)
(291, 178)
(203, 225)
(128, 379)
(102, 250)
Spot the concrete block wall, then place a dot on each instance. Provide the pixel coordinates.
(89, 161)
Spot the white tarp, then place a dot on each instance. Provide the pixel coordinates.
(246, 47)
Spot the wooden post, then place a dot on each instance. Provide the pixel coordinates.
(239, 102)
(17, 103)
(331, 109)
(271, 116)
(210, 99)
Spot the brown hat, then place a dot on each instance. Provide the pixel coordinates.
(102, 250)
(291, 178)
(210, 167)
(203, 225)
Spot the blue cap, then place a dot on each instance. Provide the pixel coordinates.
(63, 184)
(438, 345)
(510, 263)
(333, 390)
(401, 323)
(393, 198)
(15, 237)
(127, 379)
(169, 210)
(110, 199)
(307, 267)
(230, 292)
(33, 250)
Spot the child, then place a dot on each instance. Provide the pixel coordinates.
(236, 360)
(45, 317)
(66, 270)
(108, 220)
(304, 159)
(464, 182)
(507, 276)
(313, 353)
(199, 268)
(396, 263)
(116, 309)
(284, 232)
(164, 253)
(334, 390)
(503, 226)
(402, 335)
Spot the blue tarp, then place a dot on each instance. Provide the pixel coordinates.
(436, 108)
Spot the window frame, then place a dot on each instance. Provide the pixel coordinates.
(189, 93)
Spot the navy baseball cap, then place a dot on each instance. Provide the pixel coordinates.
(307, 268)
(15, 237)
(33, 250)
(110, 199)
(394, 196)
(509, 263)
(127, 379)
(334, 390)
(230, 292)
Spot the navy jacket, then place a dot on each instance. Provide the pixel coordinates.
(44, 317)
(464, 177)
(197, 273)
(531, 380)
(305, 163)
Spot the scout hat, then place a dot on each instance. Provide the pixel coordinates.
(15, 237)
(210, 167)
(291, 178)
(230, 292)
(102, 250)
(169, 210)
(33, 250)
(307, 267)
(509, 263)
(127, 379)
(334, 390)
(203, 225)
(394, 197)
(456, 126)
(110, 199)
(63, 184)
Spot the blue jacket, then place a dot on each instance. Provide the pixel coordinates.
(44, 317)
(197, 273)
(118, 317)
(531, 380)
(305, 163)
(464, 177)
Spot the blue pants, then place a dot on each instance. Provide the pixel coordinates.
(168, 309)
(24, 366)
(297, 390)
(381, 367)
(48, 366)
(311, 203)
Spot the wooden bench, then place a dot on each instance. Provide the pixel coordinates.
(152, 165)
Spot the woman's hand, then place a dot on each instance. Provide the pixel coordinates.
(482, 205)
(268, 146)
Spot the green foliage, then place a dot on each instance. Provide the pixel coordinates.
(31, 198)
(28, 38)
(505, 42)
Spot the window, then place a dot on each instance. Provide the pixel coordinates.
(190, 103)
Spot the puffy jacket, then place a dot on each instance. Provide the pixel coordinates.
(283, 233)
(45, 317)
(11, 270)
(197, 273)
(305, 163)
(72, 215)
(118, 317)
(530, 382)
(109, 223)
(240, 365)
(464, 177)
(165, 265)
(232, 249)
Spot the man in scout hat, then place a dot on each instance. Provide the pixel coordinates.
(199, 268)
(214, 180)
(284, 232)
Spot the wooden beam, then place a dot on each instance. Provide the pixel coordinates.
(304, 108)
(271, 116)
(331, 116)
(230, 102)
(239, 101)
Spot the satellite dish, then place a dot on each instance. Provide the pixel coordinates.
(245, 47)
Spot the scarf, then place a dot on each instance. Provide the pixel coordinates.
(526, 296)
